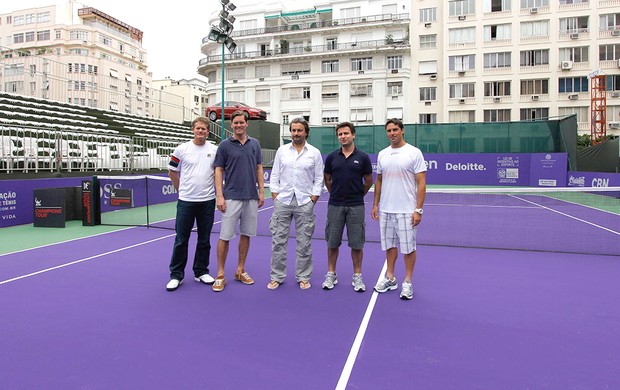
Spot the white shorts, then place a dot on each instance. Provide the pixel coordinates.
(396, 229)
(244, 211)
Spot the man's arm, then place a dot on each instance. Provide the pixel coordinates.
(218, 179)
(175, 177)
(317, 186)
(327, 178)
(420, 180)
(375, 206)
(260, 178)
(367, 183)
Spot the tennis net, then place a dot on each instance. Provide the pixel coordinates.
(572, 220)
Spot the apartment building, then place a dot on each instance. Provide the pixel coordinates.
(509, 60)
(77, 54)
(339, 60)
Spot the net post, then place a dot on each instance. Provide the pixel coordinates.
(148, 220)
(91, 210)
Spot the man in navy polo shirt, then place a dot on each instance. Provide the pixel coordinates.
(348, 177)
(239, 189)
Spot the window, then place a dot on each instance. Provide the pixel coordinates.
(395, 62)
(296, 68)
(330, 66)
(428, 41)
(105, 40)
(262, 96)
(462, 116)
(395, 113)
(261, 71)
(428, 15)
(389, 9)
(361, 89)
(14, 86)
(235, 73)
(428, 94)
(462, 63)
(575, 54)
(534, 57)
(535, 29)
(609, 21)
(18, 38)
(395, 88)
(613, 82)
(462, 35)
(285, 119)
(13, 69)
(533, 114)
(428, 118)
(43, 17)
(361, 64)
(573, 84)
(496, 115)
(29, 18)
(497, 60)
(497, 32)
(573, 25)
(78, 35)
(427, 67)
(461, 7)
(92, 69)
(353, 12)
(305, 92)
(534, 87)
(295, 93)
(247, 24)
(609, 52)
(534, 3)
(361, 115)
(79, 52)
(329, 91)
(581, 112)
(332, 43)
(329, 116)
(497, 88)
(496, 5)
(19, 20)
(567, 2)
(43, 35)
(462, 90)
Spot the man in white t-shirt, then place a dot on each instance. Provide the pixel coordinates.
(191, 171)
(400, 190)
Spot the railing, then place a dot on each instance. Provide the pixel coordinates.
(286, 51)
(318, 24)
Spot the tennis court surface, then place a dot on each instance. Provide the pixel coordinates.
(513, 292)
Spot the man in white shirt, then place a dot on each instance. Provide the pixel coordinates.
(400, 189)
(296, 184)
(192, 173)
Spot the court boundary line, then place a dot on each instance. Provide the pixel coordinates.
(361, 332)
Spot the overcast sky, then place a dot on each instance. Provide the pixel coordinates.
(173, 30)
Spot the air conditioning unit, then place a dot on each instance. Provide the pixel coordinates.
(614, 125)
(535, 97)
(615, 94)
(573, 96)
(394, 71)
(567, 65)
(427, 24)
(433, 76)
(497, 99)
(574, 36)
(360, 72)
(261, 79)
(615, 33)
(462, 17)
(534, 10)
(461, 101)
(461, 73)
(295, 77)
(235, 81)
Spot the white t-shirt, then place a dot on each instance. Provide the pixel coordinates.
(398, 167)
(195, 164)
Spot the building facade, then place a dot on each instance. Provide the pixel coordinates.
(342, 60)
(422, 61)
(80, 55)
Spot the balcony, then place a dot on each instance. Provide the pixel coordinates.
(302, 27)
(316, 50)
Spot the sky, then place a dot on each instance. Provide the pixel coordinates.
(173, 31)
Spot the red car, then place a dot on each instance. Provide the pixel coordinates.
(214, 112)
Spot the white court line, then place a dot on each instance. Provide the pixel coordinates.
(355, 348)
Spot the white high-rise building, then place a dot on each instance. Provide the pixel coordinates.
(423, 61)
(342, 60)
(78, 54)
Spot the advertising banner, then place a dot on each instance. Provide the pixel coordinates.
(593, 179)
(49, 207)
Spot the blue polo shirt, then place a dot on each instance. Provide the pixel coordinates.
(347, 177)
(239, 162)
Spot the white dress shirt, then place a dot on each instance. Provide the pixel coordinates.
(298, 174)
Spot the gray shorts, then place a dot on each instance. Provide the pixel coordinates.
(244, 211)
(353, 218)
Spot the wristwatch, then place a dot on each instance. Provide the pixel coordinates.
(419, 211)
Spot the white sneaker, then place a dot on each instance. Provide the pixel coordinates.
(206, 279)
(173, 284)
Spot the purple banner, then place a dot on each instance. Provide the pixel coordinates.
(593, 179)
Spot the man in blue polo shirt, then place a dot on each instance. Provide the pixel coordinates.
(348, 177)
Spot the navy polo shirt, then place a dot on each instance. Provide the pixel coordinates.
(239, 162)
(347, 177)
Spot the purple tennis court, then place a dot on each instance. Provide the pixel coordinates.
(93, 312)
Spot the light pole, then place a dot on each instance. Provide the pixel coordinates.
(222, 34)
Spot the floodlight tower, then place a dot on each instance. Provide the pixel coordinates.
(222, 34)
